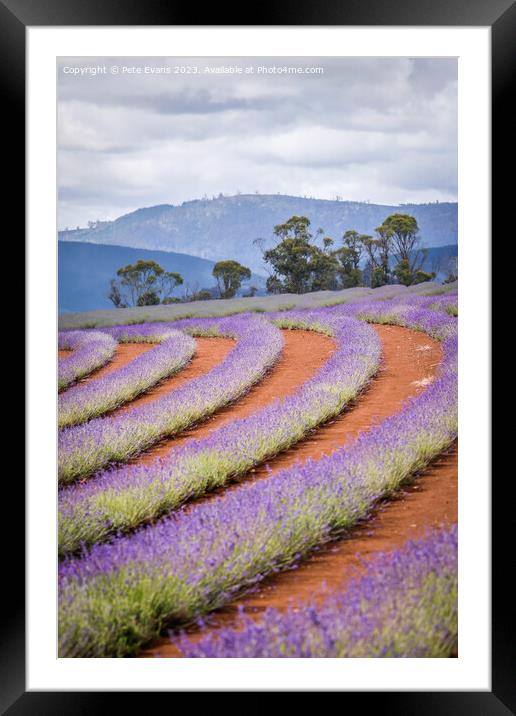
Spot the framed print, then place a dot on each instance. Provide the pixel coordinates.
(269, 412)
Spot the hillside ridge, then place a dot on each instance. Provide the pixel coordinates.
(226, 226)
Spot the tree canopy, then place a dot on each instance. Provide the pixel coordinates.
(297, 264)
(229, 275)
(144, 283)
(402, 233)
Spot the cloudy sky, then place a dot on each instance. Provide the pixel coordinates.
(377, 129)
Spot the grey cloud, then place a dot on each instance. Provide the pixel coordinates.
(378, 128)
(199, 102)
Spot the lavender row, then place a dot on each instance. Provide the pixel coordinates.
(83, 402)
(419, 309)
(404, 606)
(86, 448)
(447, 303)
(123, 498)
(117, 596)
(437, 324)
(91, 350)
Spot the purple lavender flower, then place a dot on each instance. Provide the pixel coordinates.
(120, 499)
(82, 402)
(405, 605)
(91, 350)
(118, 595)
(86, 448)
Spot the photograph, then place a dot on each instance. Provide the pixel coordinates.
(257, 359)
(258, 442)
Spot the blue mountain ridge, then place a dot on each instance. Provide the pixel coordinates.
(85, 270)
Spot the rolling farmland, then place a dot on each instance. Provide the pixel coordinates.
(277, 480)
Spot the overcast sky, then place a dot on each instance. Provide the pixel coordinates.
(377, 129)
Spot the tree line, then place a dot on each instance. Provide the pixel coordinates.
(299, 265)
(146, 283)
(296, 264)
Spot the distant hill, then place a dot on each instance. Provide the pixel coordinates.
(225, 227)
(85, 271)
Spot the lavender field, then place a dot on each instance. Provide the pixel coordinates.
(186, 486)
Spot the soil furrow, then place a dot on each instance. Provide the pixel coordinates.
(304, 353)
(409, 362)
(209, 352)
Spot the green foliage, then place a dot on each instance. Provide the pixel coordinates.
(202, 295)
(349, 256)
(296, 227)
(397, 237)
(378, 251)
(408, 277)
(274, 285)
(291, 258)
(403, 232)
(150, 298)
(144, 283)
(229, 275)
(324, 267)
(298, 265)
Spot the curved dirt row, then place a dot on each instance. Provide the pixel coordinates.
(209, 352)
(124, 354)
(410, 360)
(429, 502)
(304, 353)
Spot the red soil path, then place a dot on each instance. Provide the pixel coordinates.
(410, 360)
(124, 354)
(305, 350)
(209, 352)
(430, 501)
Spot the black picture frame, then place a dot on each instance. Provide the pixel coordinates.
(15, 17)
